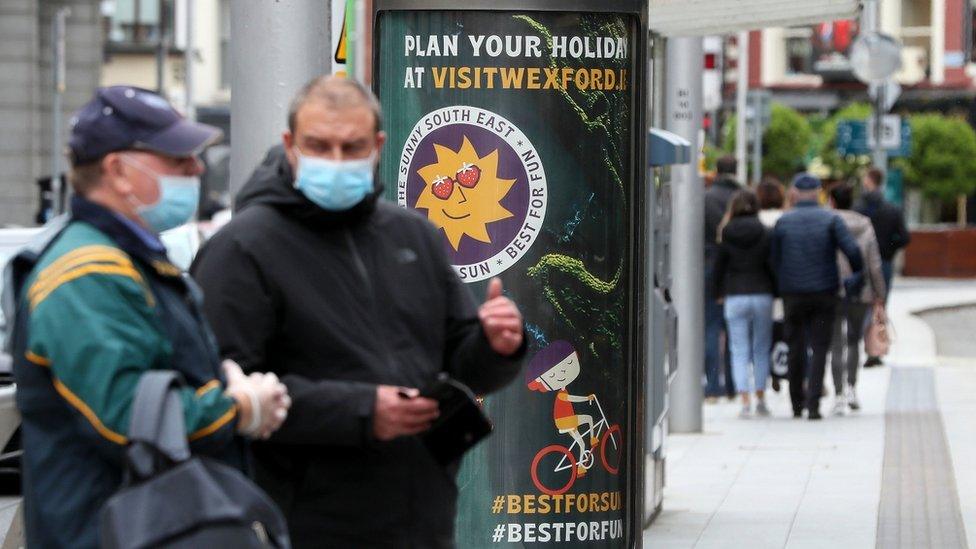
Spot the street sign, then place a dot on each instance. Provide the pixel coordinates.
(852, 139)
(890, 131)
(875, 56)
(759, 100)
(891, 89)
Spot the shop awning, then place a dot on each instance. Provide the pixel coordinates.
(703, 17)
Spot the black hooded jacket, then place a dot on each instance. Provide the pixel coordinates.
(335, 304)
(888, 221)
(743, 264)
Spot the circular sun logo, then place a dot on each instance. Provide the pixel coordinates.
(480, 181)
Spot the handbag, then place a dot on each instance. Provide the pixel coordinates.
(877, 340)
(170, 498)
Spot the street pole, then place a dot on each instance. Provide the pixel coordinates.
(741, 91)
(757, 132)
(58, 25)
(683, 109)
(277, 47)
(879, 155)
(188, 62)
(162, 48)
(871, 20)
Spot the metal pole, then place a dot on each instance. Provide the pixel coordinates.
(757, 131)
(684, 117)
(162, 48)
(871, 18)
(188, 63)
(58, 70)
(276, 48)
(879, 156)
(741, 90)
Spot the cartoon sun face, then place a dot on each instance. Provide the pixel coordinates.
(463, 192)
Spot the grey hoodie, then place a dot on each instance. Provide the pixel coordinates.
(863, 232)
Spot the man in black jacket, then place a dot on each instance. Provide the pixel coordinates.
(717, 199)
(804, 255)
(889, 228)
(887, 219)
(352, 302)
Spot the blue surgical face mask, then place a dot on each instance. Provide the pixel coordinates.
(335, 185)
(179, 196)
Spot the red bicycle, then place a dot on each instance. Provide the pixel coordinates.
(562, 459)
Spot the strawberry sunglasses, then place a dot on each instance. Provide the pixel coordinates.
(468, 177)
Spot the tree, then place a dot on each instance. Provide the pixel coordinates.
(785, 143)
(943, 160)
(842, 167)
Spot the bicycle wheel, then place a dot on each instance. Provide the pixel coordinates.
(547, 460)
(611, 448)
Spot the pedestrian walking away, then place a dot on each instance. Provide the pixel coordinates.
(352, 302)
(717, 199)
(804, 248)
(744, 279)
(889, 227)
(772, 205)
(854, 305)
(96, 304)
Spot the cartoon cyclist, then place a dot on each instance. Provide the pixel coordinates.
(553, 369)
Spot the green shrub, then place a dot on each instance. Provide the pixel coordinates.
(786, 141)
(842, 167)
(943, 160)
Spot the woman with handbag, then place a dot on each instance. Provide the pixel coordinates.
(859, 294)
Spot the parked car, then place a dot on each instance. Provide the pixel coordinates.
(11, 240)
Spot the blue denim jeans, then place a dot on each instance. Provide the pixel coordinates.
(713, 328)
(750, 327)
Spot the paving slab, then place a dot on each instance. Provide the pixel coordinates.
(780, 482)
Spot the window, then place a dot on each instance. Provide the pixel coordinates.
(799, 53)
(136, 25)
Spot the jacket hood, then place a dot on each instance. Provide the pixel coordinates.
(744, 231)
(856, 223)
(728, 181)
(273, 184)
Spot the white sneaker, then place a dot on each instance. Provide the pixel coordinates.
(761, 409)
(851, 395)
(745, 412)
(840, 407)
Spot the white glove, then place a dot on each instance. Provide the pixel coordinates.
(262, 399)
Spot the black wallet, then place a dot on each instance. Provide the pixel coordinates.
(461, 423)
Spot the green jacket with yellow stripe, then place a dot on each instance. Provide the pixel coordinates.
(101, 306)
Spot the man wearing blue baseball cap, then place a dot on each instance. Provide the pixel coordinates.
(804, 255)
(97, 303)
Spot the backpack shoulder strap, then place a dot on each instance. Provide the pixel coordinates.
(157, 427)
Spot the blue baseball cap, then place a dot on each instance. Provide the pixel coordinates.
(806, 182)
(126, 117)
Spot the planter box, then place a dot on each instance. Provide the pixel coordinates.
(942, 253)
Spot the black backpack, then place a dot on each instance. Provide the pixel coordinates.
(170, 498)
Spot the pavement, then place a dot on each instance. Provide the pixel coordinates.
(896, 473)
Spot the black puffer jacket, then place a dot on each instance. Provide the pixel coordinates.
(336, 303)
(743, 266)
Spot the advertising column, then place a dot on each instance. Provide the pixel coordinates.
(518, 135)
